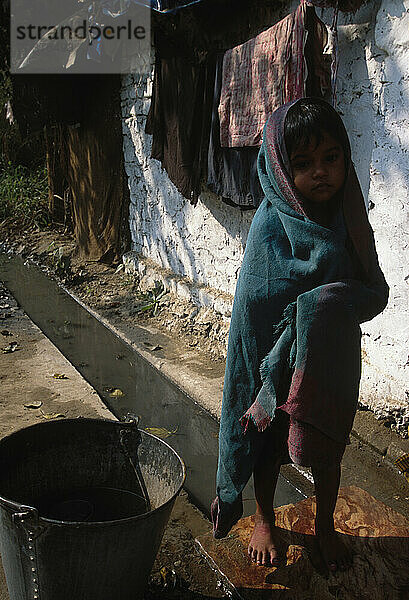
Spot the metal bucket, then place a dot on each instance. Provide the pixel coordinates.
(83, 507)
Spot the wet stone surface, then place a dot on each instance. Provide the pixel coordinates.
(180, 571)
(376, 535)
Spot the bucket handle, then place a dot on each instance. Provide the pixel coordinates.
(26, 513)
(20, 512)
(131, 419)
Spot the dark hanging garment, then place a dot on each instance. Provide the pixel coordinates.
(179, 117)
(232, 172)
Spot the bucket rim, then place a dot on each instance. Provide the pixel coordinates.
(18, 507)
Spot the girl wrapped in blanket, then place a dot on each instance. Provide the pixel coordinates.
(309, 277)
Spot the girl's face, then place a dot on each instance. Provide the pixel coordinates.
(318, 171)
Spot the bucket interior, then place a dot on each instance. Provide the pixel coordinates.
(77, 470)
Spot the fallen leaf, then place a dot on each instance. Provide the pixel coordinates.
(160, 432)
(10, 348)
(403, 463)
(116, 392)
(5, 332)
(112, 304)
(51, 415)
(35, 404)
(152, 347)
(59, 376)
(169, 578)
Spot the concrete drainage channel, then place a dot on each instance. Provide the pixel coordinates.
(109, 362)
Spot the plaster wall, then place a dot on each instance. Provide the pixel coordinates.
(206, 243)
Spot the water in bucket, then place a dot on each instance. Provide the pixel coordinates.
(92, 504)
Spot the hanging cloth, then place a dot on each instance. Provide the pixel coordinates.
(179, 116)
(270, 70)
(231, 172)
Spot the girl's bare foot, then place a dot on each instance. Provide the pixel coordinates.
(334, 552)
(332, 549)
(262, 548)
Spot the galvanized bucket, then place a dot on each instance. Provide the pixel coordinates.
(83, 507)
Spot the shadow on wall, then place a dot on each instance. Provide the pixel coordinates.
(179, 236)
(193, 250)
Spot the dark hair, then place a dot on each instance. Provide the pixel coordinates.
(309, 119)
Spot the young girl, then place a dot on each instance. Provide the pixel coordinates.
(309, 277)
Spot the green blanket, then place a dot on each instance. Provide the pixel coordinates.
(294, 337)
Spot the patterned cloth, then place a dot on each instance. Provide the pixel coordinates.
(294, 339)
(269, 70)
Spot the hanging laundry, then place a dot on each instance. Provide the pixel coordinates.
(343, 5)
(179, 116)
(232, 172)
(270, 70)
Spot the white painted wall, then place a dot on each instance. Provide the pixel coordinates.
(206, 243)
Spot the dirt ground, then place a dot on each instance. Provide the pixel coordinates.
(31, 393)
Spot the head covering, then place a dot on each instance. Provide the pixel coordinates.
(294, 339)
(275, 177)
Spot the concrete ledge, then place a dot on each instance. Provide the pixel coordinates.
(180, 367)
(199, 294)
(378, 436)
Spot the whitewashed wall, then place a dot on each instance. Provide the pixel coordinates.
(206, 243)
